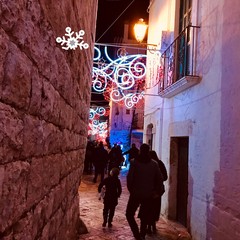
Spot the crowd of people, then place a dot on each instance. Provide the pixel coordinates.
(100, 159)
(145, 183)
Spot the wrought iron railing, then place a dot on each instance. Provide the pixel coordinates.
(179, 58)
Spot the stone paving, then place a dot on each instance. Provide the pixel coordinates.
(91, 214)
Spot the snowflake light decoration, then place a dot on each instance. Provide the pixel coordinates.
(72, 42)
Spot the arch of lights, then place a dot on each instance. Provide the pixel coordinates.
(98, 128)
(98, 111)
(121, 74)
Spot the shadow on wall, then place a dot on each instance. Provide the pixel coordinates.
(190, 197)
(223, 210)
(82, 228)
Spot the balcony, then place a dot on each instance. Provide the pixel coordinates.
(179, 64)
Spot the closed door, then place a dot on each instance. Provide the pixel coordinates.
(182, 180)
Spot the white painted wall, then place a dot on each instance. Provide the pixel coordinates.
(201, 113)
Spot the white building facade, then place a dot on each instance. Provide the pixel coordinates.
(191, 113)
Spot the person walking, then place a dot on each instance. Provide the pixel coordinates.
(100, 161)
(113, 190)
(132, 153)
(144, 183)
(155, 211)
(115, 157)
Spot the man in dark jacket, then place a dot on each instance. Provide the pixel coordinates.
(144, 183)
(115, 157)
(100, 161)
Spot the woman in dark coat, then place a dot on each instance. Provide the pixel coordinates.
(158, 200)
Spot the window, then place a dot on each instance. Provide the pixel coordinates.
(184, 39)
(179, 58)
(127, 111)
(185, 14)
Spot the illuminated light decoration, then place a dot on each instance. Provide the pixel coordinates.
(100, 111)
(130, 99)
(98, 128)
(72, 42)
(119, 76)
(100, 79)
(155, 71)
(122, 71)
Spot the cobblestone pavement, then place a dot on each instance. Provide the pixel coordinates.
(91, 214)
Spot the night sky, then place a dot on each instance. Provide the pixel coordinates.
(108, 12)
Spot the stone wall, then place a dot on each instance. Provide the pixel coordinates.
(44, 103)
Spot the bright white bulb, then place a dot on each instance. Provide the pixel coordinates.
(140, 29)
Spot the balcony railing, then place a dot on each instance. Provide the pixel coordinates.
(179, 63)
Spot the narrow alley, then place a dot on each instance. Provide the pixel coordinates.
(91, 213)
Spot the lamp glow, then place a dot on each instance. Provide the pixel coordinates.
(140, 29)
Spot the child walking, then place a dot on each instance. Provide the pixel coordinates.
(113, 191)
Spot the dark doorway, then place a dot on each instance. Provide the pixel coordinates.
(150, 135)
(181, 146)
